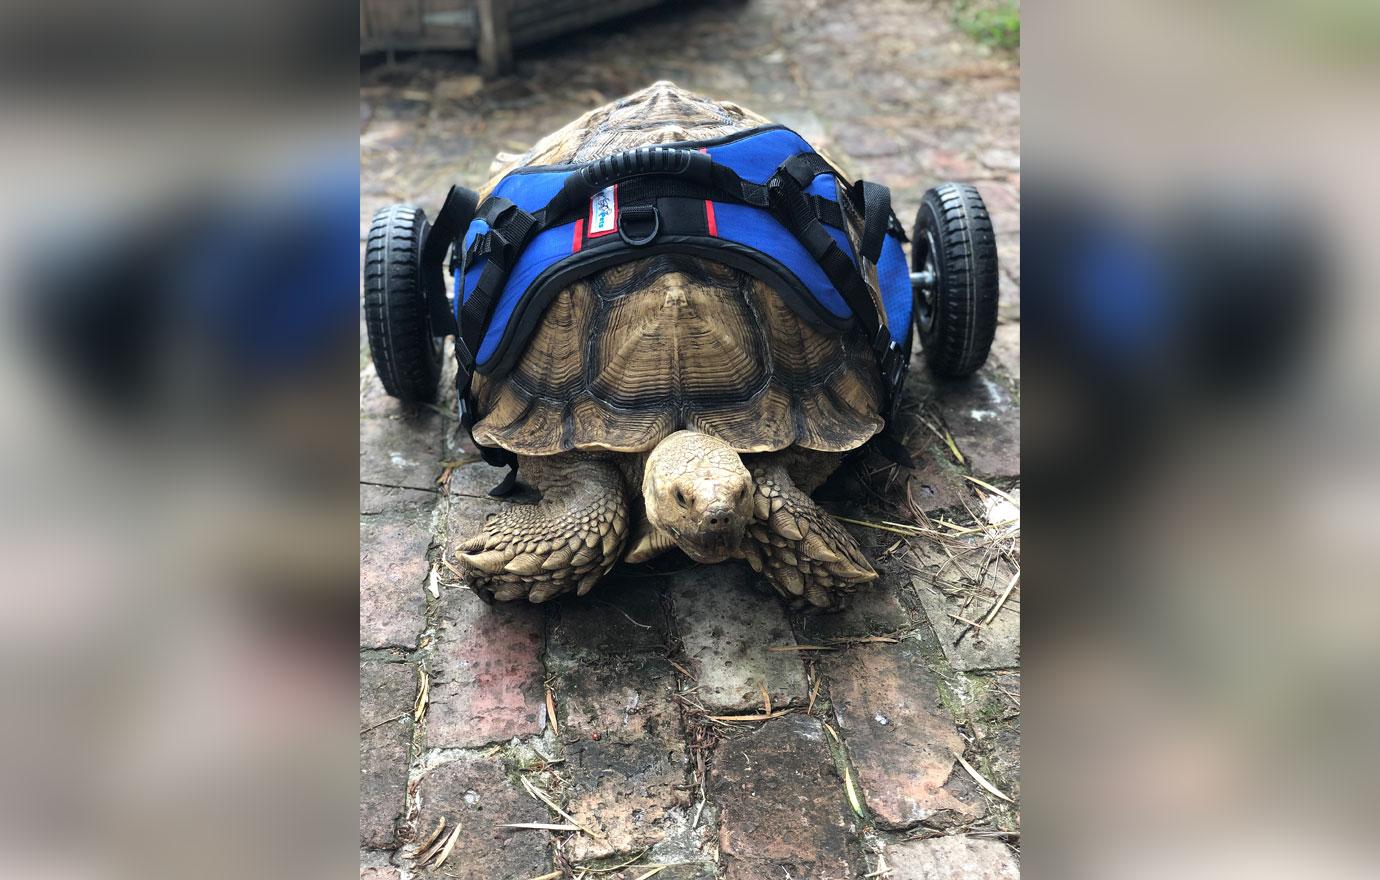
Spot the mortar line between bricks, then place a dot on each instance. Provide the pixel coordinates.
(433, 490)
(676, 648)
(426, 641)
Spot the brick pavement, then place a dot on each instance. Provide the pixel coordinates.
(878, 702)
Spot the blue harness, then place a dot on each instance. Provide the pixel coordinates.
(761, 201)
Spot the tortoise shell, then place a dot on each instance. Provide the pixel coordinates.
(633, 353)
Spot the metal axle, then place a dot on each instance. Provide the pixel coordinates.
(922, 279)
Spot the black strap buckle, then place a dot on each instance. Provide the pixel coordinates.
(894, 366)
(639, 224)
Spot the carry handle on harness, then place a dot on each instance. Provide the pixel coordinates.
(695, 166)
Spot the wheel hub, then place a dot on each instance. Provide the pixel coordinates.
(927, 299)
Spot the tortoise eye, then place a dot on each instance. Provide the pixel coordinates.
(680, 497)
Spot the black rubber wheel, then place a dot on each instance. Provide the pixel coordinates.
(406, 353)
(957, 314)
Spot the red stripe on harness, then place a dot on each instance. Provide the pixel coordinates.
(709, 209)
(579, 235)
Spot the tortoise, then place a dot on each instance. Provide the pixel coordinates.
(672, 401)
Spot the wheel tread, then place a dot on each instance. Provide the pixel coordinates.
(966, 304)
(395, 308)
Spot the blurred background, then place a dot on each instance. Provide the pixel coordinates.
(178, 450)
(1201, 412)
(179, 528)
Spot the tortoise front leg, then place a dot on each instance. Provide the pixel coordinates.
(567, 541)
(803, 551)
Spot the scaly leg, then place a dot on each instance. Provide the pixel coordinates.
(803, 551)
(565, 542)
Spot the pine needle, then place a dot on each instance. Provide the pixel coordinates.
(423, 694)
(683, 671)
(978, 778)
(777, 714)
(539, 826)
(1011, 585)
(434, 836)
(908, 531)
(551, 713)
(993, 489)
(382, 723)
(546, 799)
(618, 867)
(766, 699)
(953, 447)
(450, 845)
(852, 795)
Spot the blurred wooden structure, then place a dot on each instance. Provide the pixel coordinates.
(493, 28)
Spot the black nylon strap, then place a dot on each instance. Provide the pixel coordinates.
(876, 213)
(797, 213)
(451, 222)
(804, 168)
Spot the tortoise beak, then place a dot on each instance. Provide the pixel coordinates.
(718, 538)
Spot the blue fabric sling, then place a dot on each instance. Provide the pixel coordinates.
(761, 201)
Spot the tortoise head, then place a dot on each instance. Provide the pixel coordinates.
(697, 490)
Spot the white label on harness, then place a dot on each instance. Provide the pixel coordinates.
(603, 211)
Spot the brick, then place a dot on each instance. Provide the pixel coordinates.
(985, 423)
(478, 793)
(626, 783)
(475, 478)
(1009, 255)
(1009, 297)
(898, 735)
(386, 691)
(622, 615)
(465, 518)
(941, 587)
(782, 808)
(486, 674)
(878, 608)
(996, 723)
(402, 450)
(675, 871)
(612, 682)
(1003, 201)
(393, 568)
(1006, 349)
(945, 164)
(958, 857)
(935, 483)
(727, 624)
(395, 503)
